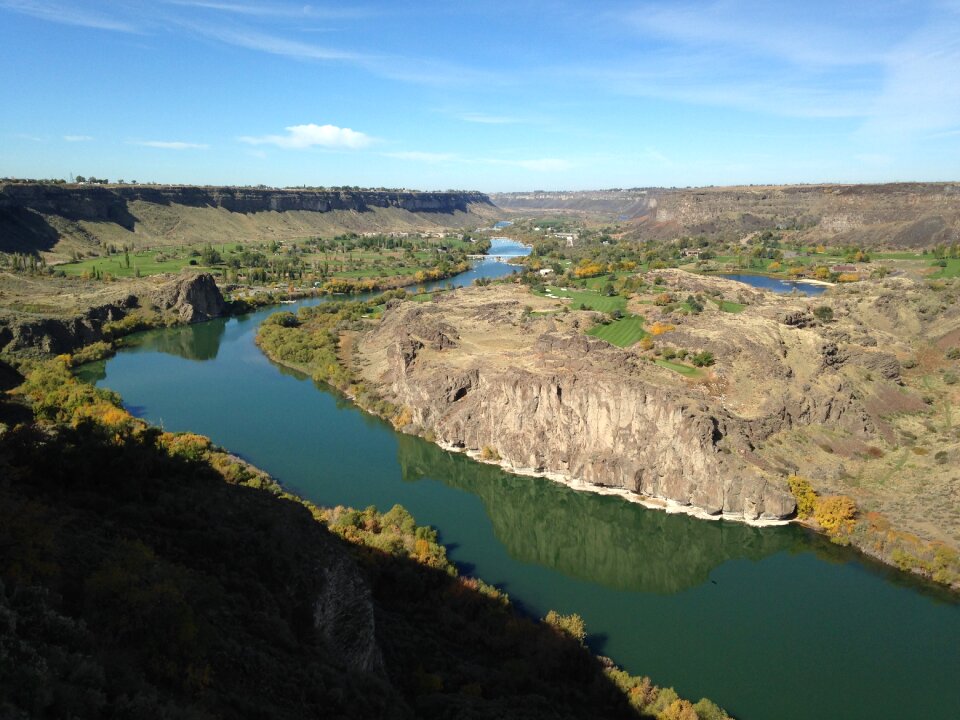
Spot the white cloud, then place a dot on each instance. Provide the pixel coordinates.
(272, 10)
(300, 137)
(169, 144)
(65, 14)
(920, 93)
(77, 138)
(275, 45)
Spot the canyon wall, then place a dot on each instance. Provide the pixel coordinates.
(566, 404)
(897, 215)
(39, 217)
(186, 299)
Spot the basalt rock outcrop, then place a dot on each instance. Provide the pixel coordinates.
(189, 299)
(35, 216)
(193, 298)
(562, 403)
(895, 214)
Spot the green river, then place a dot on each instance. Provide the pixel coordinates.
(769, 623)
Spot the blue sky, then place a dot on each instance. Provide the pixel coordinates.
(493, 95)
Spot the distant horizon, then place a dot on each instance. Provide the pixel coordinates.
(380, 188)
(564, 94)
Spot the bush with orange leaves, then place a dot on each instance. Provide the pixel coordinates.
(659, 328)
(836, 515)
(848, 277)
(663, 299)
(588, 268)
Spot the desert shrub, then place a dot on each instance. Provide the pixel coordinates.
(572, 625)
(703, 359)
(823, 313)
(489, 453)
(835, 514)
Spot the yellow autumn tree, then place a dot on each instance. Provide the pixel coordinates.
(804, 494)
(835, 514)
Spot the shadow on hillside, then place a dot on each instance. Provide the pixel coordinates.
(144, 585)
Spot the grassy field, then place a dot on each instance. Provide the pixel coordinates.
(680, 368)
(590, 299)
(952, 270)
(353, 264)
(622, 333)
(730, 307)
(116, 266)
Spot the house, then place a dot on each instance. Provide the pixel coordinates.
(843, 268)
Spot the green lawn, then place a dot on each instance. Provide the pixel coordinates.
(680, 368)
(730, 307)
(590, 299)
(115, 265)
(950, 271)
(622, 333)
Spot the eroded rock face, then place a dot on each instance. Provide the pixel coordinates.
(192, 299)
(576, 407)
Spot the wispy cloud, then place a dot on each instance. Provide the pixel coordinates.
(920, 92)
(275, 45)
(424, 157)
(300, 137)
(534, 165)
(169, 144)
(423, 71)
(77, 138)
(847, 36)
(67, 14)
(276, 11)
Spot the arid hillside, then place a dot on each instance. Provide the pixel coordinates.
(859, 400)
(896, 215)
(58, 220)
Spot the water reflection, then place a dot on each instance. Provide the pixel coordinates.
(603, 540)
(192, 342)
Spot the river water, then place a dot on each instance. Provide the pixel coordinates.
(770, 623)
(765, 282)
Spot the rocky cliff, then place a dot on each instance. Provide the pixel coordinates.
(897, 215)
(187, 299)
(540, 396)
(37, 216)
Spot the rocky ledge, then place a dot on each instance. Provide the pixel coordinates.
(539, 396)
(184, 299)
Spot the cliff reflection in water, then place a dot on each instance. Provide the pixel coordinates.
(200, 341)
(600, 539)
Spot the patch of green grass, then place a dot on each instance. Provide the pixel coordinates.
(952, 270)
(680, 368)
(622, 333)
(898, 256)
(730, 307)
(116, 266)
(590, 299)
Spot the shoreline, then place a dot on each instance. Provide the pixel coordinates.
(671, 507)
